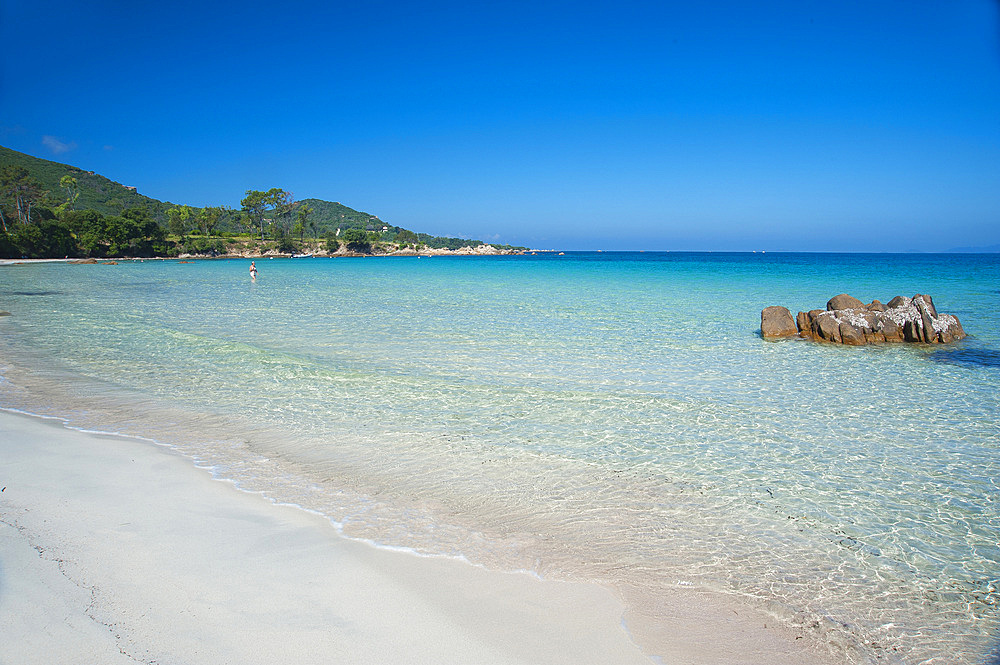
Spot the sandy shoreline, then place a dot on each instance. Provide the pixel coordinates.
(116, 550)
(481, 250)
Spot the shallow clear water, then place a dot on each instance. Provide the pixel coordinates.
(608, 416)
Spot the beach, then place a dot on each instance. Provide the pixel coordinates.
(117, 550)
(655, 333)
(504, 448)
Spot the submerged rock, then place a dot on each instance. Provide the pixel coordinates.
(847, 320)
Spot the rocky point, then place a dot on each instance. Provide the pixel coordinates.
(847, 320)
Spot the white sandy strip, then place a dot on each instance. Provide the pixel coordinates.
(117, 551)
(12, 262)
(113, 551)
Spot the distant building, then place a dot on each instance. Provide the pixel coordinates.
(130, 188)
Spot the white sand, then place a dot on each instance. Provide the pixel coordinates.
(118, 551)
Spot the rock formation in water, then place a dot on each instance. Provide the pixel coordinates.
(847, 320)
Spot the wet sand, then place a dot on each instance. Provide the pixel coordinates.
(115, 550)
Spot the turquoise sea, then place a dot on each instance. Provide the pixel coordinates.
(609, 416)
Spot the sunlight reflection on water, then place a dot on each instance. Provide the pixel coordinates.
(611, 417)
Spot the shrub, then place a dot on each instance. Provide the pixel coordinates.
(205, 246)
(357, 240)
(332, 244)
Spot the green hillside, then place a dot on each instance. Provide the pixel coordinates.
(96, 192)
(330, 216)
(110, 198)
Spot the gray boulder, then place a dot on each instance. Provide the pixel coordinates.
(849, 321)
(802, 322)
(888, 329)
(851, 335)
(925, 302)
(777, 322)
(913, 330)
(826, 327)
(844, 301)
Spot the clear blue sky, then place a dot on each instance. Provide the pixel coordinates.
(798, 125)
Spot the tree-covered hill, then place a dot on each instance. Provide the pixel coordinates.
(50, 208)
(96, 192)
(112, 198)
(330, 216)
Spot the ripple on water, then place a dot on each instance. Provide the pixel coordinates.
(599, 418)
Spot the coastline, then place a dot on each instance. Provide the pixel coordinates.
(120, 550)
(267, 255)
(343, 252)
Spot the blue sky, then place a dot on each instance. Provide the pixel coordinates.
(817, 126)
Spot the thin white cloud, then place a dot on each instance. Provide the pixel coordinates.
(56, 146)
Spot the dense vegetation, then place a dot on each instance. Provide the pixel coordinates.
(53, 210)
